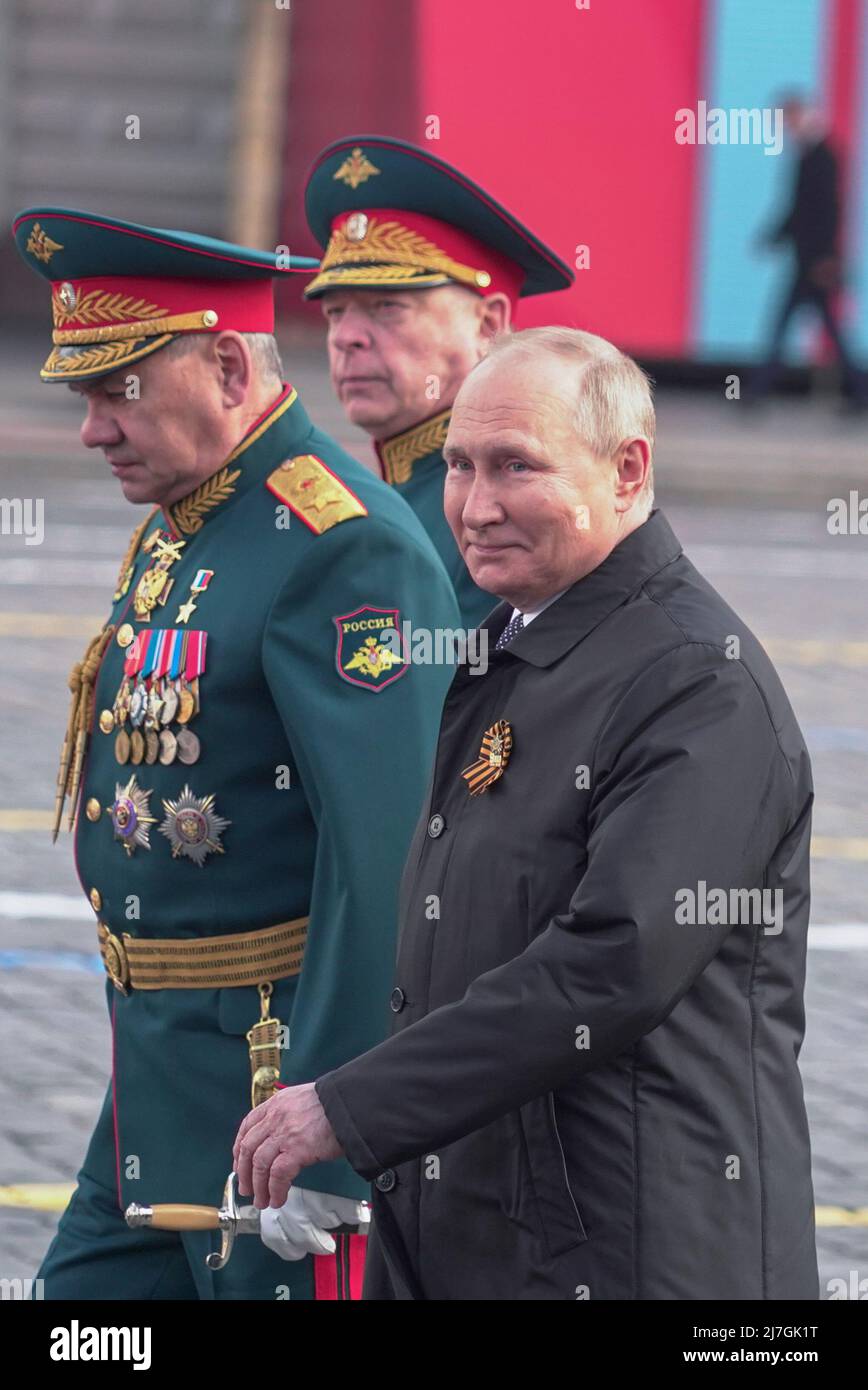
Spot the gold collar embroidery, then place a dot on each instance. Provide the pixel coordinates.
(399, 454)
(186, 515)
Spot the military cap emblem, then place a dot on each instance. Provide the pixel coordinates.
(40, 245)
(356, 169)
(67, 296)
(440, 225)
(121, 291)
(130, 816)
(371, 651)
(193, 827)
(356, 226)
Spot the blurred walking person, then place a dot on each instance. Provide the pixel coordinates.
(812, 228)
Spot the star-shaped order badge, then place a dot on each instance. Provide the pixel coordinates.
(130, 815)
(492, 760)
(193, 827)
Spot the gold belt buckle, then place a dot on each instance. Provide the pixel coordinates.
(114, 958)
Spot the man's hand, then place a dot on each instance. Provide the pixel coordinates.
(278, 1139)
(301, 1226)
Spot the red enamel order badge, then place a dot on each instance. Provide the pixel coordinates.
(371, 651)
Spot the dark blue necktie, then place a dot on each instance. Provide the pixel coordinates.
(514, 626)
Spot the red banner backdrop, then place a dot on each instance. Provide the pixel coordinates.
(352, 67)
(567, 115)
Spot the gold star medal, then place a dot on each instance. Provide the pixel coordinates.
(492, 760)
(193, 827)
(200, 584)
(130, 816)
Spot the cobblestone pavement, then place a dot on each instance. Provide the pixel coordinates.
(748, 499)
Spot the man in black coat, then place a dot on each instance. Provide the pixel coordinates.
(811, 226)
(592, 1088)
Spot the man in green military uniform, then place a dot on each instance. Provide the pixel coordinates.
(246, 751)
(421, 268)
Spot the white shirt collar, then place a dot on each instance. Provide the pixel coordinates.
(535, 612)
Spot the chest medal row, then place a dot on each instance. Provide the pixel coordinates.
(156, 702)
(158, 697)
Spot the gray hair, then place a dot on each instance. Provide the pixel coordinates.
(263, 349)
(614, 402)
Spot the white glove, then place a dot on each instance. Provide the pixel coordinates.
(300, 1227)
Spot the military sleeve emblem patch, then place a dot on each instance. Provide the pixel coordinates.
(371, 651)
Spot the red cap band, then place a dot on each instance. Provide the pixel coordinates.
(101, 301)
(435, 241)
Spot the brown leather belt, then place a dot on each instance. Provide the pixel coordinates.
(203, 962)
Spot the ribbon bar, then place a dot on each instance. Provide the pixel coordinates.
(166, 651)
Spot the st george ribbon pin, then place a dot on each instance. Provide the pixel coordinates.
(492, 760)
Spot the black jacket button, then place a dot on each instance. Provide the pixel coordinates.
(436, 826)
(397, 1000)
(385, 1181)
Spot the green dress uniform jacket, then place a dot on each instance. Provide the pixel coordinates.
(316, 761)
(414, 466)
